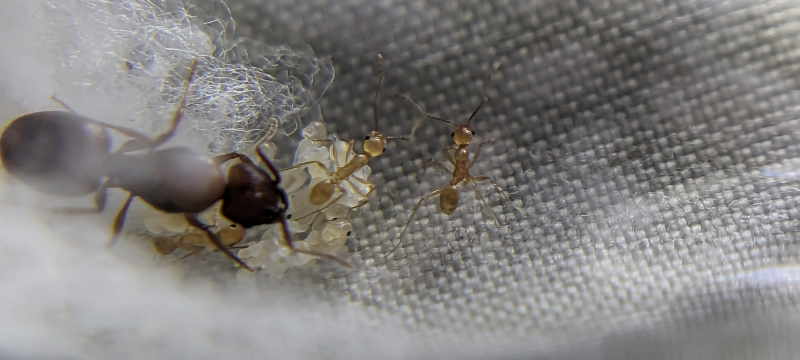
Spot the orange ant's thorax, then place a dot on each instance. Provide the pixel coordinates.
(460, 171)
(348, 169)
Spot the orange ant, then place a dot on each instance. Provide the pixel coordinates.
(462, 136)
(374, 145)
(196, 241)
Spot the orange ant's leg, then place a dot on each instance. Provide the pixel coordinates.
(499, 189)
(449, 156)
(192, 220)
(307, 163)
(483, 202)
(335, 156)
(439, 165)
(119, 221)
(411, 217)
(362, 181)
(326, 206)
(366, 196)
(191, 253)
(478, 153)
(287, 238)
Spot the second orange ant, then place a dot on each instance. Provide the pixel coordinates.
(374, 145)
(462, 136)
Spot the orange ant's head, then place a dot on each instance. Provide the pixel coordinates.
(463, 134)
(374, 144)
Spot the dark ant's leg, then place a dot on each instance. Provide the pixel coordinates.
(411, 217)
(192, 220)
(276, 175)
(99, 202)
(119, 221)
(63, 104)
(176, 118)
(140, 140)
(287, 238)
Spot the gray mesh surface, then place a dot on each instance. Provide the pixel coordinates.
(650, 143)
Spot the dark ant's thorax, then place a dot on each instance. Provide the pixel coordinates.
(176, 180)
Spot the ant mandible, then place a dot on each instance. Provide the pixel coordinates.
(63, 153)
(462, 136)
(374, 145)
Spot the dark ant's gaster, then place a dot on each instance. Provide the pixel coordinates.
(63, 153)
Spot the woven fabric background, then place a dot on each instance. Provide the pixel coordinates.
(651, 144)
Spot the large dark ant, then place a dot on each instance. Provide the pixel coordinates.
(63, 153)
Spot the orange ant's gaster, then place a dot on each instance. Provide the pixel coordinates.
(374, 145)
(63, 153)
(462, 136)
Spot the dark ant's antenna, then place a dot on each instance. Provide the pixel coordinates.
(377, 90)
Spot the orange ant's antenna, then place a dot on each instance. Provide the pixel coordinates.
(485, 98)
(422, 111)
(483, 101)
(377, 91)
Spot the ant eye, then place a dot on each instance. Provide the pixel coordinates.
(289, 216)
(233, 226)
(453, 135)
(349, 232)
(473, 133)
(366, 138)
